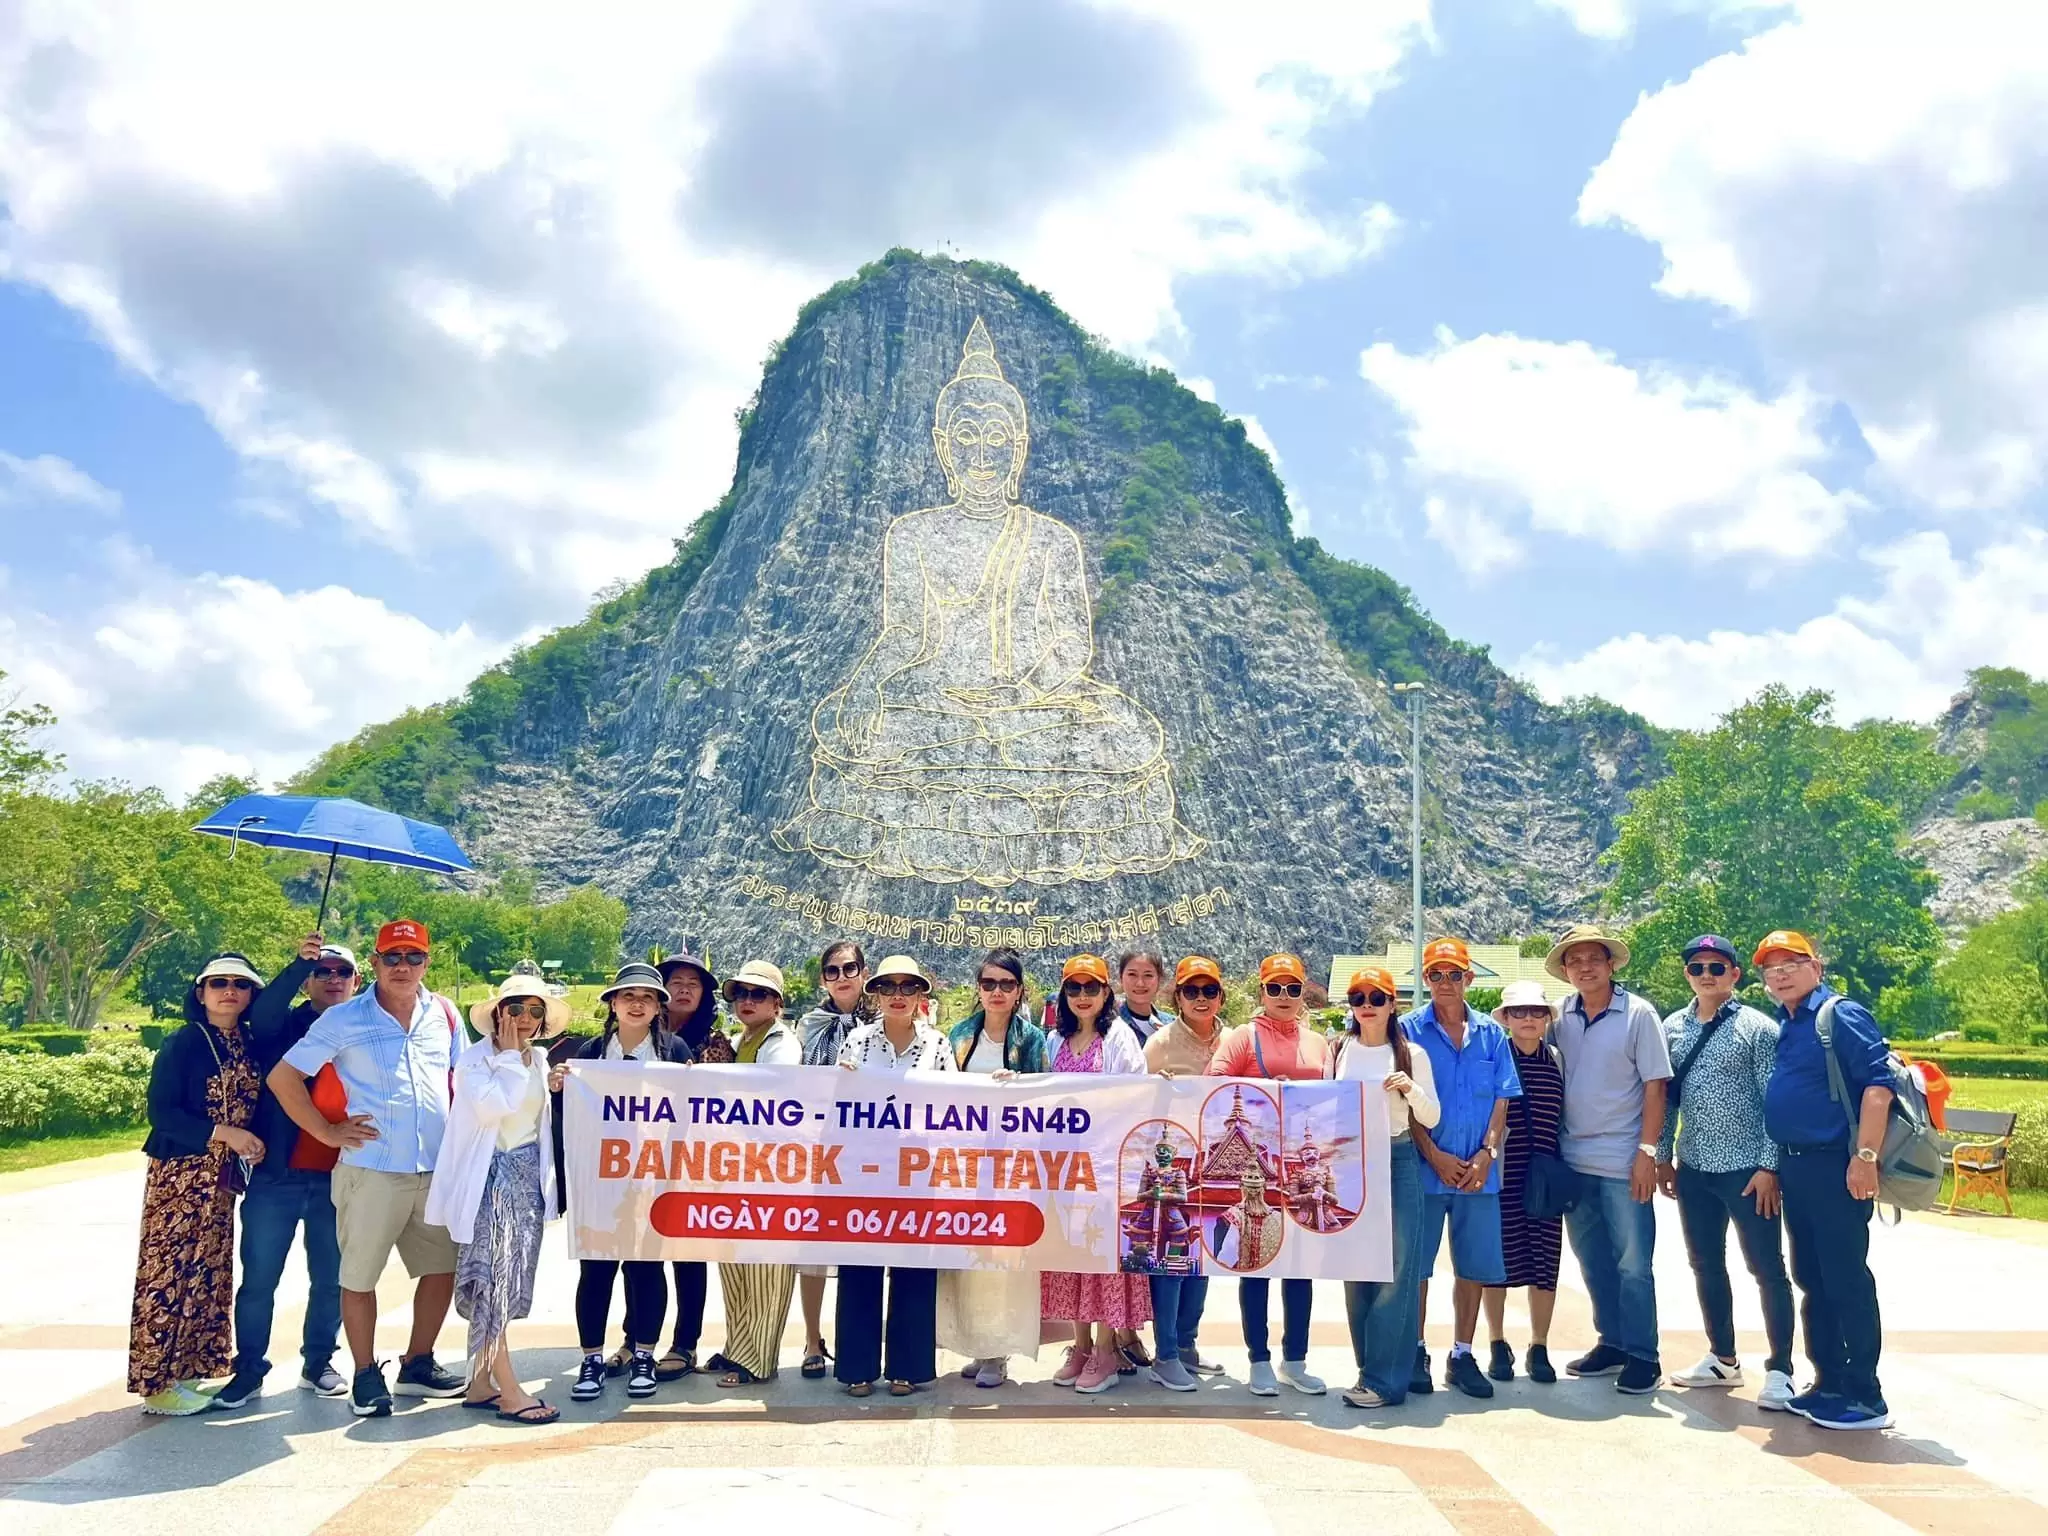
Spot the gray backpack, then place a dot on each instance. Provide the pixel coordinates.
(1909, 1162)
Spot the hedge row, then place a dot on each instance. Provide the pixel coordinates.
(101, 1090)
(76, 1042)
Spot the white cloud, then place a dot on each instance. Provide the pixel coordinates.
(1478, 544)
(466, 276)
(170, 680)
(1576, 443)
(1864, 184)
(46, 480)
(1614, 20)
(1899, 653)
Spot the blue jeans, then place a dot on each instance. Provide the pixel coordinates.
(1177, 1302)
(1296, 1297)
(272, 1211)
(1614, 1235)
(1385, 1314)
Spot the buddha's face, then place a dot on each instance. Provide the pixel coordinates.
(981, 447)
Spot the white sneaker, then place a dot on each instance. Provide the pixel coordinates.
(1777, 1393)
(1712, 1371)
(329, 1383)
(1263, 1382)
(1295, 1374)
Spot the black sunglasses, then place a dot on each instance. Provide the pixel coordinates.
(1375, 998)
(838, 972)
(404, 957)
(224, 983)
(1083, 989)
(334, 972)
(1283, 989)
(532, 1008)
(746, 994)
(1707, 968)
(1202, 989)
(891, 988)
(1000, 983)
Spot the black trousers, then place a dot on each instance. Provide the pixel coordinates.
(905, 1347)
(691, 1282)
(1707, 1202)
(1830, 1232)
(646, 1301)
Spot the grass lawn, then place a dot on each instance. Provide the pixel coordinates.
(17, 1155)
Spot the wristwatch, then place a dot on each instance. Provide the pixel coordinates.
(1648, 1149)
(1866, 1154)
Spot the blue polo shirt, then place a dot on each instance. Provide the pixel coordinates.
(1468, 1082)
(1798, 1109)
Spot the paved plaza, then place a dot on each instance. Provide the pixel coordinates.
(1964, 1353)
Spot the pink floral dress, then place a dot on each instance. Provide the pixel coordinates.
(1120, 1300)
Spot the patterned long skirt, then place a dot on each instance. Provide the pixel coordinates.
(494, 1271)
(756, 1310)
(1120, 1300)
(184, 1275)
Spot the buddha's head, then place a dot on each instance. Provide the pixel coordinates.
(981, 430)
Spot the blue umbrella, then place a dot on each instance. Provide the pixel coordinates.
(341, 829)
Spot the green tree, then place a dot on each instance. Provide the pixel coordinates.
(1778, 817)
(583, 930)
(24, 764)
(1998, 976)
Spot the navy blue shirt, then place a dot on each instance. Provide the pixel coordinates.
(1798, 1109)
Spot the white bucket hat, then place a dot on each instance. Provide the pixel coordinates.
(1523, 994)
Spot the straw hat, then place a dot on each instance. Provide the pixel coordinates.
(1584, 933)
(756, 973)
(520, 984)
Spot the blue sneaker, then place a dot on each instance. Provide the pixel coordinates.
(1846, 1413)
(1806, 1402)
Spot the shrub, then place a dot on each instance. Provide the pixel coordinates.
(2029, 1068)
(1981, 1034)
(2029, 1154)
(153, 1034)
(1482, 999)
(2037, 1037)
(42, 1095)
(1986, 805)
(20, 1044)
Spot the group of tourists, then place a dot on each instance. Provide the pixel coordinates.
(368, 1118)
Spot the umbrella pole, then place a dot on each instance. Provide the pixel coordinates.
(320, 922)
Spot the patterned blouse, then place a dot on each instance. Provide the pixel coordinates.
(868, 1049)
(1718, 1124)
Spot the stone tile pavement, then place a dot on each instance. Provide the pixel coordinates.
(1965, 1349)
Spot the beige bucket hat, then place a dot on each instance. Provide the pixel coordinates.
(1584, 933)
(519, 984)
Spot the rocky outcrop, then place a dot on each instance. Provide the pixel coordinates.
(693, 740)
(1977, 864)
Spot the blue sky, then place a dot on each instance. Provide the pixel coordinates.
(1668, 347)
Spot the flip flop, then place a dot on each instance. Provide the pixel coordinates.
(480, 1405)
(548, 1413)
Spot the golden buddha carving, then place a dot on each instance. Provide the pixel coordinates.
(970, 742)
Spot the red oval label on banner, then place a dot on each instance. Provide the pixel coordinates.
(848, 1219)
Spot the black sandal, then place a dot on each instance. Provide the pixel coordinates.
(814, 1365)
(675, 1365)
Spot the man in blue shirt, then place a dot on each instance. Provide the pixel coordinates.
(393, 1048)
(1473, 1063)
(1827, 1176)
(1615, 1067)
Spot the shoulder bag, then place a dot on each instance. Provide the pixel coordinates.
(1551, 1188)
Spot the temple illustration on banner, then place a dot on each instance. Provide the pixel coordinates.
(971, 743)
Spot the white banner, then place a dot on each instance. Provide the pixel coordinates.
(815, 1165)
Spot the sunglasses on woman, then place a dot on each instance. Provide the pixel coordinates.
(1283, 989)
(1373, 999)
(230, 983)
(532, 1009)
(1083, 989)
(1706, 968)
(898, 988)
(1201, 989)
(1000, 983)
(751, 994)
(842, 972)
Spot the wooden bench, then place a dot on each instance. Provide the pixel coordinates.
(1974, 1146)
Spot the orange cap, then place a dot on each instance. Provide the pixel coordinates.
(403, 933)
(1372, 976)
(1450, 951)
(1282, 968)
(1790, 941)
(1196, 968)
(1085, 968)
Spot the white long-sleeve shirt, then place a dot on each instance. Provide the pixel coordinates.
(1357, 1062)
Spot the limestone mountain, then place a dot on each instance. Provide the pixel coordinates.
(999, 635)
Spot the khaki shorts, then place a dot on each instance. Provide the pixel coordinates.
(376, 1212)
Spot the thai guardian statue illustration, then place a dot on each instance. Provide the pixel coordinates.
(971, 742)
(1159, 1227)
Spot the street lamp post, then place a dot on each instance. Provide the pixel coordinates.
(1414, 693)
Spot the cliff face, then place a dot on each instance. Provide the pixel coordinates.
(762, 752)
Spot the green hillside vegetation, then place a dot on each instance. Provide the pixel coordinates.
(544, 700)
(2013, 775)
